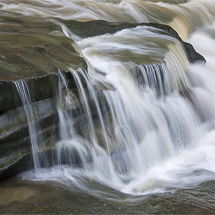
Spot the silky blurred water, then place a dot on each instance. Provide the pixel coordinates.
(158, 139)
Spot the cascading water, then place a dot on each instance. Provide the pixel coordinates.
(25, 96)
(140, 128)
(153, 129)
(182, 15)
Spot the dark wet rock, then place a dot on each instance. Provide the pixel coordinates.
(15, 144)
(192, 55)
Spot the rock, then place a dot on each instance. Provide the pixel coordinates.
(30, 53)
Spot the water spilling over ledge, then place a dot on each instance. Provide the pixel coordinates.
(30, 82)
(110, 108)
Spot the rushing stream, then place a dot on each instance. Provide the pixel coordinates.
(153, 130)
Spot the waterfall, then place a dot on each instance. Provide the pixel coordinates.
(124, 133)
(25, 96)
(141, 118)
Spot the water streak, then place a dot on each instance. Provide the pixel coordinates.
(25, 96)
